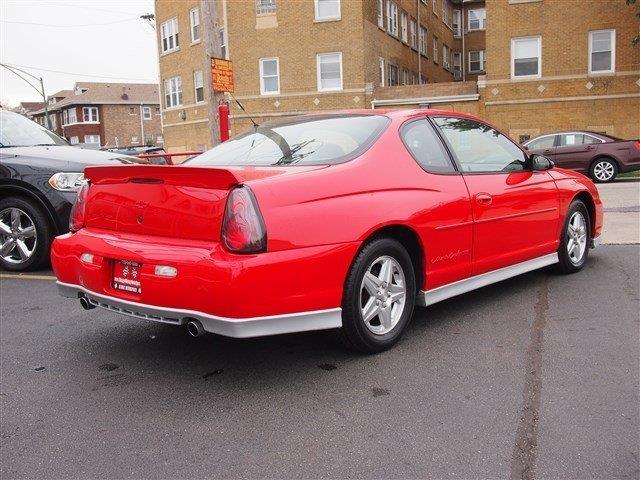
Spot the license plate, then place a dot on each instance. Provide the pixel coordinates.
(126, 276)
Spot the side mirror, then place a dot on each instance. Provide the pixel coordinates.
(540, 162)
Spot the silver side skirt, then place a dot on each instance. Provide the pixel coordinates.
(463, 286)
(230, 327)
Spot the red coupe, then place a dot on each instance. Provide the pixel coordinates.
(337, 220)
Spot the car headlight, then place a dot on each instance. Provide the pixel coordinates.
(67, 182)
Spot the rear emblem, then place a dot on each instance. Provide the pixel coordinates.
(140, 219)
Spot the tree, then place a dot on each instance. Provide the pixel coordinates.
(636, 39)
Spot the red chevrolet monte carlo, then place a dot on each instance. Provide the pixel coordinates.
(338, 220)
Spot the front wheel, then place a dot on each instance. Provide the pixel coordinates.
(574, 239)
(379, 296)
(604, 170)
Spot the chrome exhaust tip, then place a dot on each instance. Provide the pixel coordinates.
(86, 304)
(195, 328)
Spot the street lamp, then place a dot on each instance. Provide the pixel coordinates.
(40, 90)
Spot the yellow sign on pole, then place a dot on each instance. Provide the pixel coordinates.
(222, 75)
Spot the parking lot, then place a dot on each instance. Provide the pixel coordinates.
(535, 377)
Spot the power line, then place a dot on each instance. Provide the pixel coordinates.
(69, 26)
(82, 74)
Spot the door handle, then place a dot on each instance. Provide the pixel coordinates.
(547, 151)
(591, 147)
(484, 199)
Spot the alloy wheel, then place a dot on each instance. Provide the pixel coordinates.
(383, 294)
(603, 171)
(576, 237)
(18, 236)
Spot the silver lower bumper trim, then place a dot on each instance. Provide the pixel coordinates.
(472, 283)
(229, 327)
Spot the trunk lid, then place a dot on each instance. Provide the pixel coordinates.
(170, 201)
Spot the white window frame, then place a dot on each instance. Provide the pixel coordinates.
(435, 7)
(319, 57)
(380, 13)
(392, 18)
(482, 56)
(175, 81)
(166, 34)
(457, 18)
(383, 72)
(91, 110)
(88, 136)
(196, 86)
(146, 113)
(318, 18)
(413, 33)
(74, 140)
(482, 19)
(435, 49)
(266, 9)
(423, 44)
(277, 75)
(67, 117)
(404, 26)
(194, 16)
(513, 59)
(612, 33)
(390, 68)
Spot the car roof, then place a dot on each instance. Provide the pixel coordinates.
(391, 112)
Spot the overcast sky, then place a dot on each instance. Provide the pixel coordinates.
(89, 39)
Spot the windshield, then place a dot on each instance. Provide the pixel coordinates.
(314, 140)
(19, 131)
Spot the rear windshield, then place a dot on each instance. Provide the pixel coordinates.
(316, 140)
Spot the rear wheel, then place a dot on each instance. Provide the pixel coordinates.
(603, 170)
(574, 240)
(25, 235)
(379, 296)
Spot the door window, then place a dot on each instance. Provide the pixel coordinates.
(588, 139)
(480, 148)
(426, 148)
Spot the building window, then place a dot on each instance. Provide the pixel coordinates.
(382, 71)
(412, 33)
(159, 139)
(69, 116)
(157, 110)
(194, 16)
(445, 12)
(198, 86)
(404, 34)
(132, 110)
(74, 140)
(477, 19)
(92, 139)
(169, 34)
(476, 61)
(392, 18)
(457, 23)
(422, 40)
(173, 92)
(445, 57)
(526, 57)
(393, 78)
(381, 13)
(146, 113)
(223, 43)
(435, 49)
(602, 51)
(269, 76)
(405, 76)
(90, 114)
(329, 71)
(434, 5)
(327, 9)
(264, 7)
(134, 140)
(457, 61)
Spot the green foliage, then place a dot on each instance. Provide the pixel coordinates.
(636, 39)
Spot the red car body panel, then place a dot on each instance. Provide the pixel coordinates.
(316, 220)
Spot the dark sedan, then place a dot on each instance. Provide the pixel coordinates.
(40, 174)
(602, 157)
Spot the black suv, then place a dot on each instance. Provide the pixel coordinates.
(40, 174)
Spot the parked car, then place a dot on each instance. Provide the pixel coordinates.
(339, 220)
(601, 157)
(40, 174)
(135, 151)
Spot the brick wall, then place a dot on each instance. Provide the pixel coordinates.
(121, 126)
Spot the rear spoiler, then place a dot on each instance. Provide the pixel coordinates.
(204, 177)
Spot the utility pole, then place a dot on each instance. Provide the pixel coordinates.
(213, 48)
(40, 90)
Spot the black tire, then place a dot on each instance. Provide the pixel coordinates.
(354, 332)
(43, 235)
(603, 170)
(568, 263)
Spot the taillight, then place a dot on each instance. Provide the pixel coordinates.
(76, 219)
(243, 229)
(637, 144)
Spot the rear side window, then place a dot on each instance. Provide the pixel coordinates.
(479, 148)
(588, 140)
(307, 140)
(569, 139)
(544, 142)
(425, 147)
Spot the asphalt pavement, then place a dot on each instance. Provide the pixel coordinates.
(535, 377)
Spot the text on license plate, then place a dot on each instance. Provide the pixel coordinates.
(126, 276)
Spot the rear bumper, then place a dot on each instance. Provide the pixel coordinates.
(230, 327)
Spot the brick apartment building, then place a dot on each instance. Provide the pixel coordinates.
(294, 56)
(105, 114)
(518, 63)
